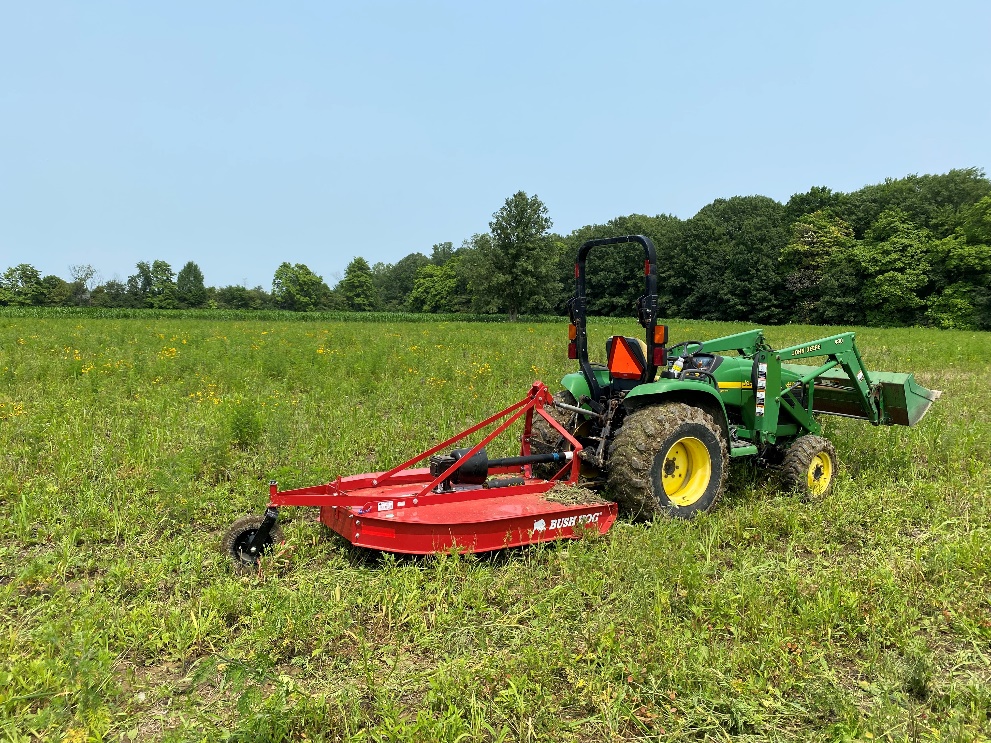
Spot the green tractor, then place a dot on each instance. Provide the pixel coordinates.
(661, 423)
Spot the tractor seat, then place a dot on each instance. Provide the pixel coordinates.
(626, 357)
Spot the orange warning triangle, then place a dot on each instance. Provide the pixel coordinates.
(622, 363)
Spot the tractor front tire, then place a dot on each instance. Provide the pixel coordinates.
(809, 467)
(237, 538)
(544, 439)
(670, 460)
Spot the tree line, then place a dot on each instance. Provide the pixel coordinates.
(908, 251)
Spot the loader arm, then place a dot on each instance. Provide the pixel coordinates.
(771, 398)
(841, 350)
(886, 398)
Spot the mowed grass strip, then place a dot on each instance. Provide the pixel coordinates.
(128, 446)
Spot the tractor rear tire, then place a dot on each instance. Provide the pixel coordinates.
(236, 541)
(670, 460)
(545, 440)
(809, 467)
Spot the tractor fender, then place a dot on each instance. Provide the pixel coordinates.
(577, 385)
(696, 394)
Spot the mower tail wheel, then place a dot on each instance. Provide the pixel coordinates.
(237, 539)
(809, 467)
(669, 459)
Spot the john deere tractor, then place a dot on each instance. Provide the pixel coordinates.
(660, 423)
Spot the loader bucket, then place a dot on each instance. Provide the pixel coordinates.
(904, 401)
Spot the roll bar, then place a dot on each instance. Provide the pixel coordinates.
(646, 306)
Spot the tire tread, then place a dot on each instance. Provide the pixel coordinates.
(798, 457)
(636, 444)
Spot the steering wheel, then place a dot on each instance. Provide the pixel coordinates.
(687, 345)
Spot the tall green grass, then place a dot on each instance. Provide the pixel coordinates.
(128, 445)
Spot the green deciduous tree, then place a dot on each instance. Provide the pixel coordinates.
(163, 288)
(441, 284)
(241, 298)
(234, 298)
(975, 222)
(56, 292)
(441, 253)
(960, 272)
(726, 266)
(139, 285)
(394, 282)
(190, 287)
(112, 293)
(895, 261)
(21, 285)
(357, 288)
(933, 202)
(817, 239)
(476, 267)
(441, 288)
(817, 198)
(840, 291)
(953, 307)
(297, 288)
(957, 259)
(515, 269)
(152, 286)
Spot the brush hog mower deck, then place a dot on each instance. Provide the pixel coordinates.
(658, 424)
(463, 500)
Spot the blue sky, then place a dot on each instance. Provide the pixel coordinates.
(243, 134)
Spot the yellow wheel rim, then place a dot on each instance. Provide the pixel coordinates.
(686, 471)
(820, 473)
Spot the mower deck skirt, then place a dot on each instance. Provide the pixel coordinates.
(480, 524)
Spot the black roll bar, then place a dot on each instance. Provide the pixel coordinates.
(646, 306)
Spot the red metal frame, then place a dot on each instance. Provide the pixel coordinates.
(405, 510)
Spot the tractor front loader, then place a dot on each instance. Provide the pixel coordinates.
(657, 424)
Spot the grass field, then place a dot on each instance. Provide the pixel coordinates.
(128, 446)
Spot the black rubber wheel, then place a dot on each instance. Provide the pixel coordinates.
(669, 459)
(235, 543)
(545, 440)
(809, 467)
